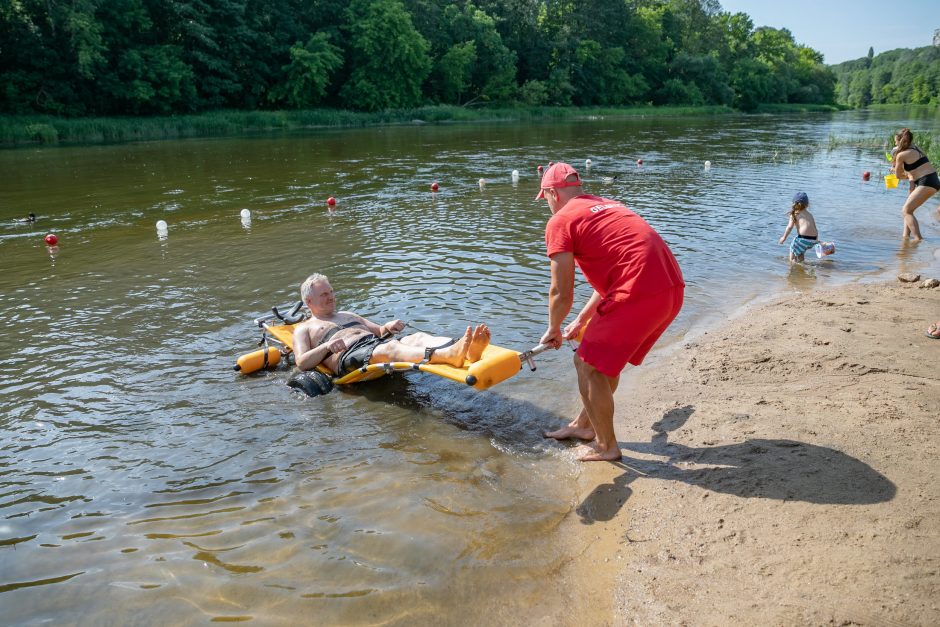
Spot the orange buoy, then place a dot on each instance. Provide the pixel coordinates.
(252, 362)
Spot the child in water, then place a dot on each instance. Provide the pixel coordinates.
(806, 234)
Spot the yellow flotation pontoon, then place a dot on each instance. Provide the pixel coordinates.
(496, 364)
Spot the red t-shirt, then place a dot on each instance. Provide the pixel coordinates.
(618, 252)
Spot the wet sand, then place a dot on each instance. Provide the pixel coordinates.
(782, 469)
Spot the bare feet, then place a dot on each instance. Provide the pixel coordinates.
(571, 431)
(590, 453)
(478, 343)
(453, 355)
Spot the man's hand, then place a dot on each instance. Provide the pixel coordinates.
(573, 329)
(337, 346)
(552, 337)
(393, 327)
(781, 240)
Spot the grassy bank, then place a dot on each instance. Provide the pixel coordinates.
(33, 130)
(799, 108)
(928, 142)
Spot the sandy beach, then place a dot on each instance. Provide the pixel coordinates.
(779, 470)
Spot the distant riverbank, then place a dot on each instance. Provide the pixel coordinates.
(18, 131)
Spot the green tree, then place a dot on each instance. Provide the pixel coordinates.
(860, 90)
(920, 91)
(489, 73)
(705, 74)
(388, 56)
(80, 57)
(533, 93)
(753, 83)
(453, 71)
(895, 77)
(735, 43)
(308, 73)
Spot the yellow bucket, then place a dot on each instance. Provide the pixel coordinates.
(891, 181)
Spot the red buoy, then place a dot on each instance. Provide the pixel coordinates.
(866, 175)
(639, 162)
(434, 186)
(540, 168)
(331, 201)
(51, 239)
(551, 163)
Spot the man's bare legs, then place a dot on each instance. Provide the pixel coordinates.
(423, 340)
(580, 427)
(411, 349)
(479, 340)
(597, 394)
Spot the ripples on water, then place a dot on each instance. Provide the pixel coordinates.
(139, 476)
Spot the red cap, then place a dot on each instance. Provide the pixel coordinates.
(556, 177)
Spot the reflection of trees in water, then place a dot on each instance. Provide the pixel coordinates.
(785, 470)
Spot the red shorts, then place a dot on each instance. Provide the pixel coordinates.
(623, 332)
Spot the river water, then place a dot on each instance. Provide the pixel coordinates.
(142, 480)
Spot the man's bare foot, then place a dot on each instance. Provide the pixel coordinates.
(590, 453)
(571, 431)
(478, 343)
(453, 355)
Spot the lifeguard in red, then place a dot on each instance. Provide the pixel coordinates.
(638, 291)
(630, 267)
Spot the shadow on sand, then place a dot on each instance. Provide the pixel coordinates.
(785, 470)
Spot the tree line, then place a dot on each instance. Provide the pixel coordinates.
(158, 57)
(901, 76)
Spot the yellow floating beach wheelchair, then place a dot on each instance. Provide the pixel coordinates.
(277, 341)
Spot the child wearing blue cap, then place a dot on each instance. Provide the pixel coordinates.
(806, 234)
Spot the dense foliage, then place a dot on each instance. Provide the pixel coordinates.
(133, 57)
(900, 76)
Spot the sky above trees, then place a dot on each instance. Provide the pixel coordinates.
(844, 29)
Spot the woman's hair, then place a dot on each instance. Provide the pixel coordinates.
(797, 207)
(904, 139)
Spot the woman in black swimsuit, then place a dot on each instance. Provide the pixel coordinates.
(910, 162)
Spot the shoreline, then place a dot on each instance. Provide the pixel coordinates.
(19, 131)
(777, 469)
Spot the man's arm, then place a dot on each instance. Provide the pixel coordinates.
(587, 312)
(305, 356)
(560, 297)
(391, 327)
(378, 330)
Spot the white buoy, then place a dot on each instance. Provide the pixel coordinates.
(161, 225)
(708, 165)
(515, 176)
(246, 214)
(587, 164)
(482, 183)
